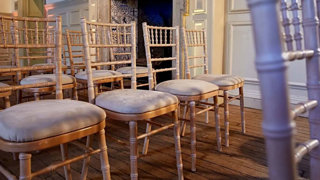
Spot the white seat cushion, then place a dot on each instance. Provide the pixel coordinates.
(47, 118)
(220, 80)
(96, 74)
(134, 101)
(3, 84)
(186, 87)
(42, 78)
(127, 70)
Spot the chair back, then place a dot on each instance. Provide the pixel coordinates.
(161, 37)
(32, 34)
(197, 40)
(74, 49)
(271, 56)
(98, 37)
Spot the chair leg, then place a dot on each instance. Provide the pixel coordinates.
(36, 96)
(96, 90)
(146, 140)
(216, 113)
(176, 134)
(86, 161)
(184, 124)
(25, 166)
(133, 150)
(64, 155)
(226, 117)
(121, 84)
(243, 121)
(105, 167)
(192, 105)
(6, 102)
(207, 112)
(74, 92)
(19, 96)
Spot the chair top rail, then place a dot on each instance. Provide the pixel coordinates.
(161, 28)
(30, 19)
(108, 24)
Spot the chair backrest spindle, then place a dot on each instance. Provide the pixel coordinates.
(278, 125)
(151, 40)
(17, 42)
(92, 37)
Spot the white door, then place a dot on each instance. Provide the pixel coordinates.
(70, 11)
(240, 53)
(208, 15)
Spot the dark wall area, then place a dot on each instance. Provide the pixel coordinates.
(156, 13)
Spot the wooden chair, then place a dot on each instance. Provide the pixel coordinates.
(39, 125)
(197, 40)
(122, 53)
(278, 120)
(35, 35)
(187, 90)
(74, 51)
(122, 104)
(103, 72)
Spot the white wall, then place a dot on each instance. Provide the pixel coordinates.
(53, 1)
(240, 53)
(7, 6)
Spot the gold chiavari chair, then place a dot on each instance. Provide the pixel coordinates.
(103, 72)
(197, 40)
(122, 104)
(187, 90)
(38, 125)
(36, 34)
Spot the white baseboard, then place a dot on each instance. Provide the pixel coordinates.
(298, 93)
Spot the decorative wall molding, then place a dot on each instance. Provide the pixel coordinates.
(229, 41)
(237, 8)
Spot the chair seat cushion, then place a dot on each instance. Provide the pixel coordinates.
(43, 78)
(97, 74)
(3, 84)
(47, 118)
(134, 101)
(186, 87)
(127, 70)
(220, 80)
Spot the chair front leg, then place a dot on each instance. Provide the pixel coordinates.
(176, 134)
(6, 102)
(105, 167)
(226, 117)
(74, 92)
(121, 84)
(243, 121)
(207, 112)
(133, 150)
(216, 113)
(192, 105)
(36, 96)
(25, 166)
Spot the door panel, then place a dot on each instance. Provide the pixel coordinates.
(240, 54)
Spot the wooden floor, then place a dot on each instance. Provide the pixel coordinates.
(244, 159)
